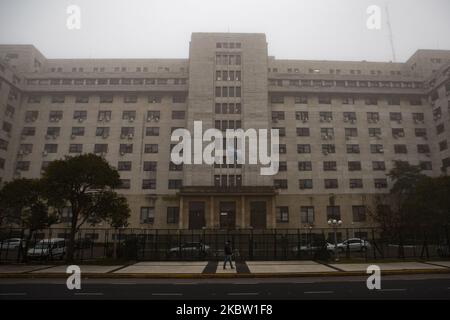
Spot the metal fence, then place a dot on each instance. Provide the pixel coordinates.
(248, 244)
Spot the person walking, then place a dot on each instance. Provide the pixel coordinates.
(228, 255)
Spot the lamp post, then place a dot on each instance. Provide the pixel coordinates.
(335, 224)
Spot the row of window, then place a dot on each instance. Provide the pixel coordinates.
(150, 166)
(354, 148)
(307, 214)
(102, 115)
(379, 183)
(228, 92)
(107, 81)
(335, 71)
(326, 99)
(345, 83)
(348, 116)
(106, 98)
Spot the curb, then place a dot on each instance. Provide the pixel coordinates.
(217, 275)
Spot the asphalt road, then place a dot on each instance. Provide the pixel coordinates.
(392, 287)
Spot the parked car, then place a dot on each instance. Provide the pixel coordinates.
(13, 243)
(190, 248)
(48, 249)
(311, 248)
(443, 250)
(353, 244)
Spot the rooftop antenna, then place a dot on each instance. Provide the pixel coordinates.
(391, 40)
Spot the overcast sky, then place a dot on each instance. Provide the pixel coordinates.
(295, 29)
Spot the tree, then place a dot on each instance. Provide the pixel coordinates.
(24, 203)
(85, 183)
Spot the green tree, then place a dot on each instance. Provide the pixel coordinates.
(24, 204)
(85, 183)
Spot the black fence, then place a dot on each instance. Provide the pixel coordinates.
(270, 244)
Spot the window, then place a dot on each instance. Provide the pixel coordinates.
(371, 101)
(31, 116)
(375, 132)
(304, 166)
(327, 133)
(443, 145)
(282, 214)
(34, 99)
(333, 212)
(3, 144)
(150, 166)
(301, 99)
(78, 131)
(282, 148)
(355, 183)
(376, 148)
(102, 132)
(281, 131)
(153, 116)
(420, 132)
(152, 131)
(307, 214)
(154, 99)
(104, 115)
(351, 132)
(329, 166)
(147, 215)
(101, 148)
(331, 183)
(400, 148)
(378, 166)
(129, 115)
(23, 165)
(151, 148)
(395, 116)
(124, 166)
(348, 100)
(80, 115)
(173, 214)
(179, 99)
(398, 132)
(303, 148)
(426, 165)
(149, 184)
(440, 128)
(354, 166)
(81, 99)
(106, 98)
(303, 132)
(373, 117)
(302, 115)
(29, 131)
(127, 132)
(277, 99)
(51, 148)
(58, 99)
(175, 183)
(325, 116)
(352, 148)
(305, 184)
(75, 148)
(178, 115)
(393, 101)
(423, 148)
(324, 100)
(359, 213)
(277, 115)
(380, 183)
(280, 183)
(125, 148)
(53, 132)
(328, 148)
(349, 117)
(55, 116)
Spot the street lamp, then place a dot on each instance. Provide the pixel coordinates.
(335, 224)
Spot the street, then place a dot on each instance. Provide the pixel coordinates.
(431, 286)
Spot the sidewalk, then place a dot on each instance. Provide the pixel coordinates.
(214, 269)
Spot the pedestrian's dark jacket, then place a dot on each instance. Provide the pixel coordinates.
(227, 249)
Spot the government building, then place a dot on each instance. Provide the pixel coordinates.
(342, 124)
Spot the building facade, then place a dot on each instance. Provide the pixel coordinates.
(341, 125)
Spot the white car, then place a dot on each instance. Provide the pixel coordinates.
(13, 243)
(49, 249)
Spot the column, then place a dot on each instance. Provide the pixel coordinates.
(181, 217)
(211, 212)
(243, 215)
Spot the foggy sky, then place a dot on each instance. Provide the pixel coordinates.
(295, 29)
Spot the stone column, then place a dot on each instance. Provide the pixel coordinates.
(243, 215)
